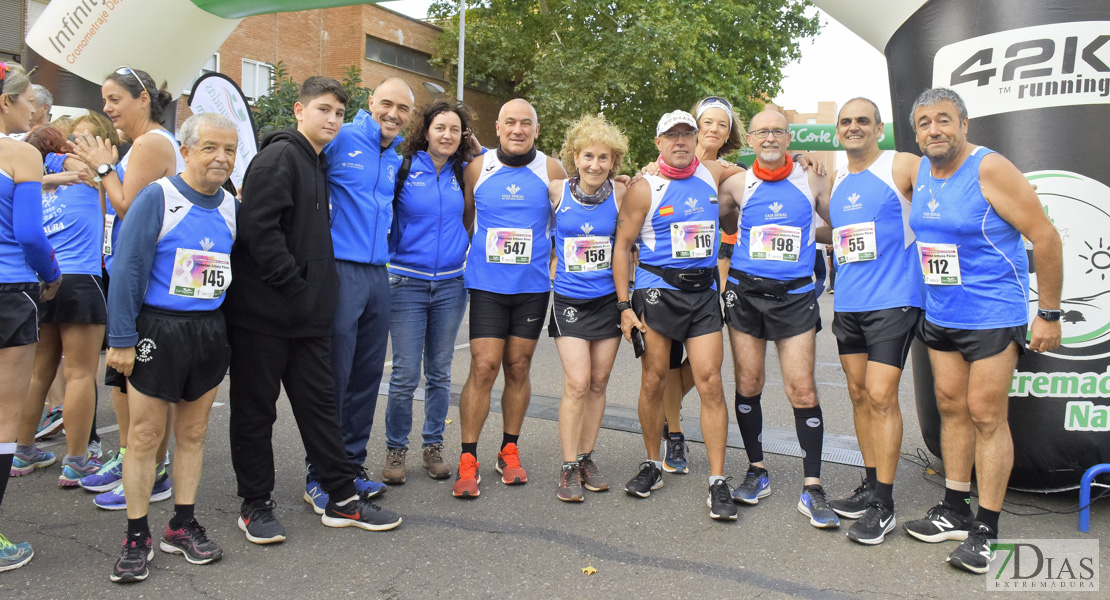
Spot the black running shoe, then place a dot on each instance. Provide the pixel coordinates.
(191, 541)
(361, 513)
(941, 524)
(649, 478)
(133, 558)
(854, 506)
(257, 520)
(875, 523)
(974, 553)
(721, 506)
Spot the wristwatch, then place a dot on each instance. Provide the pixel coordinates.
(1049, 314)
(623, 305)
(104, 169)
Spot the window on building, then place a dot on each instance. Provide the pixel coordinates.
(211, 66)
(257, 78)
(11, 29)
(400, 57)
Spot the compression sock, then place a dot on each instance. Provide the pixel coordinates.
(470, 448)
(7, 453)
(811, 437)
(182, 514)
(749, 418)
(508, 438)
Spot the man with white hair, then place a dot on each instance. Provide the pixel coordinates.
(167, 336)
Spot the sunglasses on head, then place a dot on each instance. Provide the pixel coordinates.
(131, 72)
(712, 99)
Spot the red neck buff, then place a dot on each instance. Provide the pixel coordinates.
(776, 175)
(672, 173)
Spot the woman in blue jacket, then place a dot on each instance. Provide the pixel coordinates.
(428, 244)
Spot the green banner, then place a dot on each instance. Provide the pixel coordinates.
(820, 136)
(234, 9)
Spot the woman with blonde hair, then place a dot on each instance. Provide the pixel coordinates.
(585, 321)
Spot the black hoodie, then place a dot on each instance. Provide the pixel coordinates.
(283, 267)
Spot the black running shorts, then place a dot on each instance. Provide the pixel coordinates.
(677, 314)
(19, 323)
(495, 315)
(769, 319)
(80, 299)
(885, 335)
(180, 355)
(972, 344)
(587, 319)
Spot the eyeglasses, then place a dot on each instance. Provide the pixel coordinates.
(712, 99)
(131, 72)
(762, 133)
(674, 135)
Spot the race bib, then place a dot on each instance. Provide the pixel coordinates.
(693, 239)
(854, 243)
(774, 242)
(589, 253)
(109, 224)
(940, 263)
(199, 274)
(509, 246)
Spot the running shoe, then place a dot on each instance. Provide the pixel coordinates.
(508, 465)
(13, 556)
(23, 463)
(108, 477)
(394, 471)
(756, 485)
(974, 553)
(51, 424)
(876, 522)
(368, 487)
(592, 479)
(257, 521)
(649, 478)
(432, 459)
(467, 477)
(721, 506)
(361, 513)
(941, 524)
(315, 496)
(133, 558)
(192, 542)
(96, 449)
(570, 483)
(814, 504)
(675, 460)
(74, 469)
(116, 500)
(854, 506)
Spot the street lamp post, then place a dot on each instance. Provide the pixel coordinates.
(462, 51)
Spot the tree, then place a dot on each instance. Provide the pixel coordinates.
(633, 60)
(274, 111)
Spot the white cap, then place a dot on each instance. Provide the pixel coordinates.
(671, 119)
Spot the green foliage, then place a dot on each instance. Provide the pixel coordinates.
(275, 111)
(633, 60)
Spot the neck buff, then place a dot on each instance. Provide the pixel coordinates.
(516, 160)
(776, 175)
(590, 199)
(704, 106)
(672, 173)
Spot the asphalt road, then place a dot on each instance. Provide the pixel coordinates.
(520, 541)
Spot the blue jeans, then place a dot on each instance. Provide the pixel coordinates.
(358, 343)
(423, 325)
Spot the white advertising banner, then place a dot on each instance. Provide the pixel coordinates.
(217, 93)
(170, 39)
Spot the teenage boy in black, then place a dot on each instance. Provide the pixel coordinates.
(279, 313)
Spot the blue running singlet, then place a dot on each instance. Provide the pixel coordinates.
(584, 237)
(680, 230)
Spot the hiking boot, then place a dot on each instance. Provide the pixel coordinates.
(394, 471)
(432, 459)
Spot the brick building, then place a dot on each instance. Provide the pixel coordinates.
(382, 43)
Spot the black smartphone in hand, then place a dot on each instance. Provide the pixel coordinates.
(637, 342)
